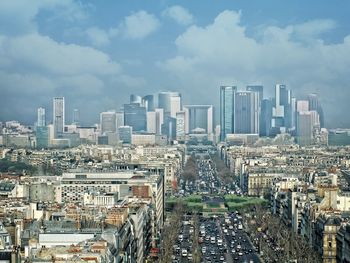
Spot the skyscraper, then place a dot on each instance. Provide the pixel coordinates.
(125, 134)
(76, 117)
(260, 90)
(58, 116)
(170, 102)
(246, 112)
(304, 128)
(108, 122)
(148, 102)
(266, 117)
(135, 98)
(282, 111)
(135, 116)
(227, 102)
(41, 121)
(180, 126)
(315, 105)
(199, 116)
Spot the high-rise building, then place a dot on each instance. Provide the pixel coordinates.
(227, 118)
(314, 104)
(180, 126)
(282, 111)
(246, 112)
(76, 117)
(170, 102)
(266, 117)
(120, 118)
(125, 134)
(135, 99)
(42, 137)
(159, 120)
(199, 116)
(148, 102)
(169, 128)
(260, 90)
(108, 122)
(135, 116)
(151, 121)
(41, 121)
(58, 116)
(302, 105)
(304, 128)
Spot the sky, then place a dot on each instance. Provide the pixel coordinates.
(97, 53)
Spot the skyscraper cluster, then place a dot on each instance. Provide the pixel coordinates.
(247, 112)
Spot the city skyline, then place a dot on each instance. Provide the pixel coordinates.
(104, 54)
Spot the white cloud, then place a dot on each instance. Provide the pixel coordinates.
(35, 52)
(222, 53)
(18, 16)
(97, 36)
(139, 25)
(179, 14)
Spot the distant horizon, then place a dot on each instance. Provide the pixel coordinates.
(96, 54)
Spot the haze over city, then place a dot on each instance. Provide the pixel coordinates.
(97, 53)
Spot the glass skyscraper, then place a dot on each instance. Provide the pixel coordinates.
(227, 103)
(135, 116)
(246, 112)
(58, 116)
(41, 121)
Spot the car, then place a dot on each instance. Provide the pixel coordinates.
(184, 253)
(222, 258)
(240, 253)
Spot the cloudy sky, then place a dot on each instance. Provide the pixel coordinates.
(96, 53)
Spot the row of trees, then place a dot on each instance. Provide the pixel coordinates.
(223, 172)
(190, 171)
(16, 167)
(278, 242)
(170, 233)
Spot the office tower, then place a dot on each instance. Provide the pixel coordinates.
(180, 126)
(120, 118)
(304, 128)
(169, 128)
(76, 117)
(314, 104)
(266, 117)
(170, 102)
(41, 121)
(302, 105)
(246, 112)
(151, 121)
(108, 122)
(148, 102)
(260, 90)
(294, 113)
(159, 120)
(125, 133)
(58, 116)
(135, 116)
(227, 102)
(199, 116)
(42, 137)
(282, 111)
(135, 99)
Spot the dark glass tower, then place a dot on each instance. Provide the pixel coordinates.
(227, 103)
